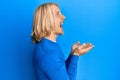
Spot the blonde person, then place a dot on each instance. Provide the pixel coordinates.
(48, 59)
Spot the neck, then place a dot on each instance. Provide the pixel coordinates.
(52, 37)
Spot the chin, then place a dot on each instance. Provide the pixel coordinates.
(61, 33)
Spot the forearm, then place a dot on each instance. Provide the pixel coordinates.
(71, 65)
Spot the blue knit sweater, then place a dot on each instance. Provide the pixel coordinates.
(49, 62)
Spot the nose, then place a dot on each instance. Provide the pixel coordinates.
(63, 16)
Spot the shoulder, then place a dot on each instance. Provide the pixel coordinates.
(47, 47)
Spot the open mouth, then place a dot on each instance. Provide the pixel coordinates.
(61, 24)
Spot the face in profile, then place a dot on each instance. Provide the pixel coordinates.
(59, 19)
(47, 22)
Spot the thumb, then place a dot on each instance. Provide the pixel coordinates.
(77, 43)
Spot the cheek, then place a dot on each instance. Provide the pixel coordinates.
(57, 19)
(57, 24)
(58, 28)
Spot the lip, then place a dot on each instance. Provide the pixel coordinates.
(62, 22)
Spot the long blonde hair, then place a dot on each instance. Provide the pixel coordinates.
(43, 21)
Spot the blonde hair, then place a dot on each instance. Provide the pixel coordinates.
(42, 22)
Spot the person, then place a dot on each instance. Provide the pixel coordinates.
(48, 59)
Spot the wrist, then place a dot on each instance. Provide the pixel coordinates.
(75, 54)
(71, 53)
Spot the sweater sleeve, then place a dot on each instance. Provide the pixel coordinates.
(71, 65)
(55, 68)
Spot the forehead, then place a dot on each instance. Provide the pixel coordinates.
(56, 8)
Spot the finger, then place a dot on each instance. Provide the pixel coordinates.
(88, 49)
(77, 43)
(82, 46)
(89, 45)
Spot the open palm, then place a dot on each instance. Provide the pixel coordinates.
(78, 49)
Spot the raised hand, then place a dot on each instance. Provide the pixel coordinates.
(78, 49)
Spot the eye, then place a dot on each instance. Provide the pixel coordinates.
(57, 13)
